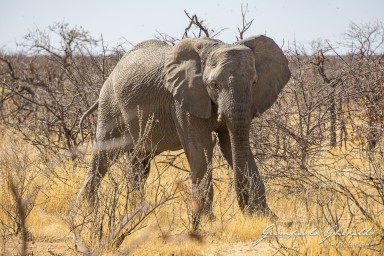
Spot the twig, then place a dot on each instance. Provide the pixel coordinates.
(245, 24)
(195, 21)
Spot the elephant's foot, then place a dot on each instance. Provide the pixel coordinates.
(87, 197)
(201, 210)
(268, 213)
(211, 216)
(254, 204)
(263, 211)
(196, 219)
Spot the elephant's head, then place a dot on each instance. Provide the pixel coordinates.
(243, 80)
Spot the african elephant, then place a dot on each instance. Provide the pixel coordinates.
(194, 88)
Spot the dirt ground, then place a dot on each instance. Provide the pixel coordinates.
(60, 247)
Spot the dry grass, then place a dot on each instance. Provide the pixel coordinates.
(167, 230)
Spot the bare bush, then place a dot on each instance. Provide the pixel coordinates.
(50, 84)
(363, 74)
(19, 189)
(321, 144)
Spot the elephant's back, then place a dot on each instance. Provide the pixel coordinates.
(139, 73)
(151, 44)
(148, 45)
(138, 89)
(134, 94)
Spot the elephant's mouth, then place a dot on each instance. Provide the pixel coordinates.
(219, 117)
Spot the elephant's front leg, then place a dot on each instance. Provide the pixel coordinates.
(249, 185)
(196, 140)
(202, 189)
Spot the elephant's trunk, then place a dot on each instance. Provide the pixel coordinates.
(239, 136)
(238, 117)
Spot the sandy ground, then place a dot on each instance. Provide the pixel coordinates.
(237, 249)
(60, 247)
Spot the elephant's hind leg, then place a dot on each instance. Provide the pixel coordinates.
(143, 172)
(138, 172)
(108, 147)
(100, 162)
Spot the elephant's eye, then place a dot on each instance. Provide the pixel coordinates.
(214, 85)
(254, 83)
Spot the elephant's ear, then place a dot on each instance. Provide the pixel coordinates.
(272, 70)
(184, 78)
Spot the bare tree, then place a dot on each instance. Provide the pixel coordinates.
(48, 91)
(363, 74)
(246, 25)
(202, 30)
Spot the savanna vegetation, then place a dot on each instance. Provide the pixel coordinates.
(319, 149)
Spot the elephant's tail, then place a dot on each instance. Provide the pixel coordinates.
(88, 112)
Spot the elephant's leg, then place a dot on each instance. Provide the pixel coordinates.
(200, 158)
(251, 189)
(106, 150)
(96, 171)
(138, 172)
(196, 140)
(249, 186)
(143, 172)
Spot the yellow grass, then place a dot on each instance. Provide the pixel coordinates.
(168, 232)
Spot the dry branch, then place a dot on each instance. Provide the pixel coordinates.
(246, 25)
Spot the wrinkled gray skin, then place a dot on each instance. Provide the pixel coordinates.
(194, 88)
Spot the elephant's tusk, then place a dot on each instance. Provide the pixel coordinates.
(219, 118)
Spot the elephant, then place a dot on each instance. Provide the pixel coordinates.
(195, 88)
